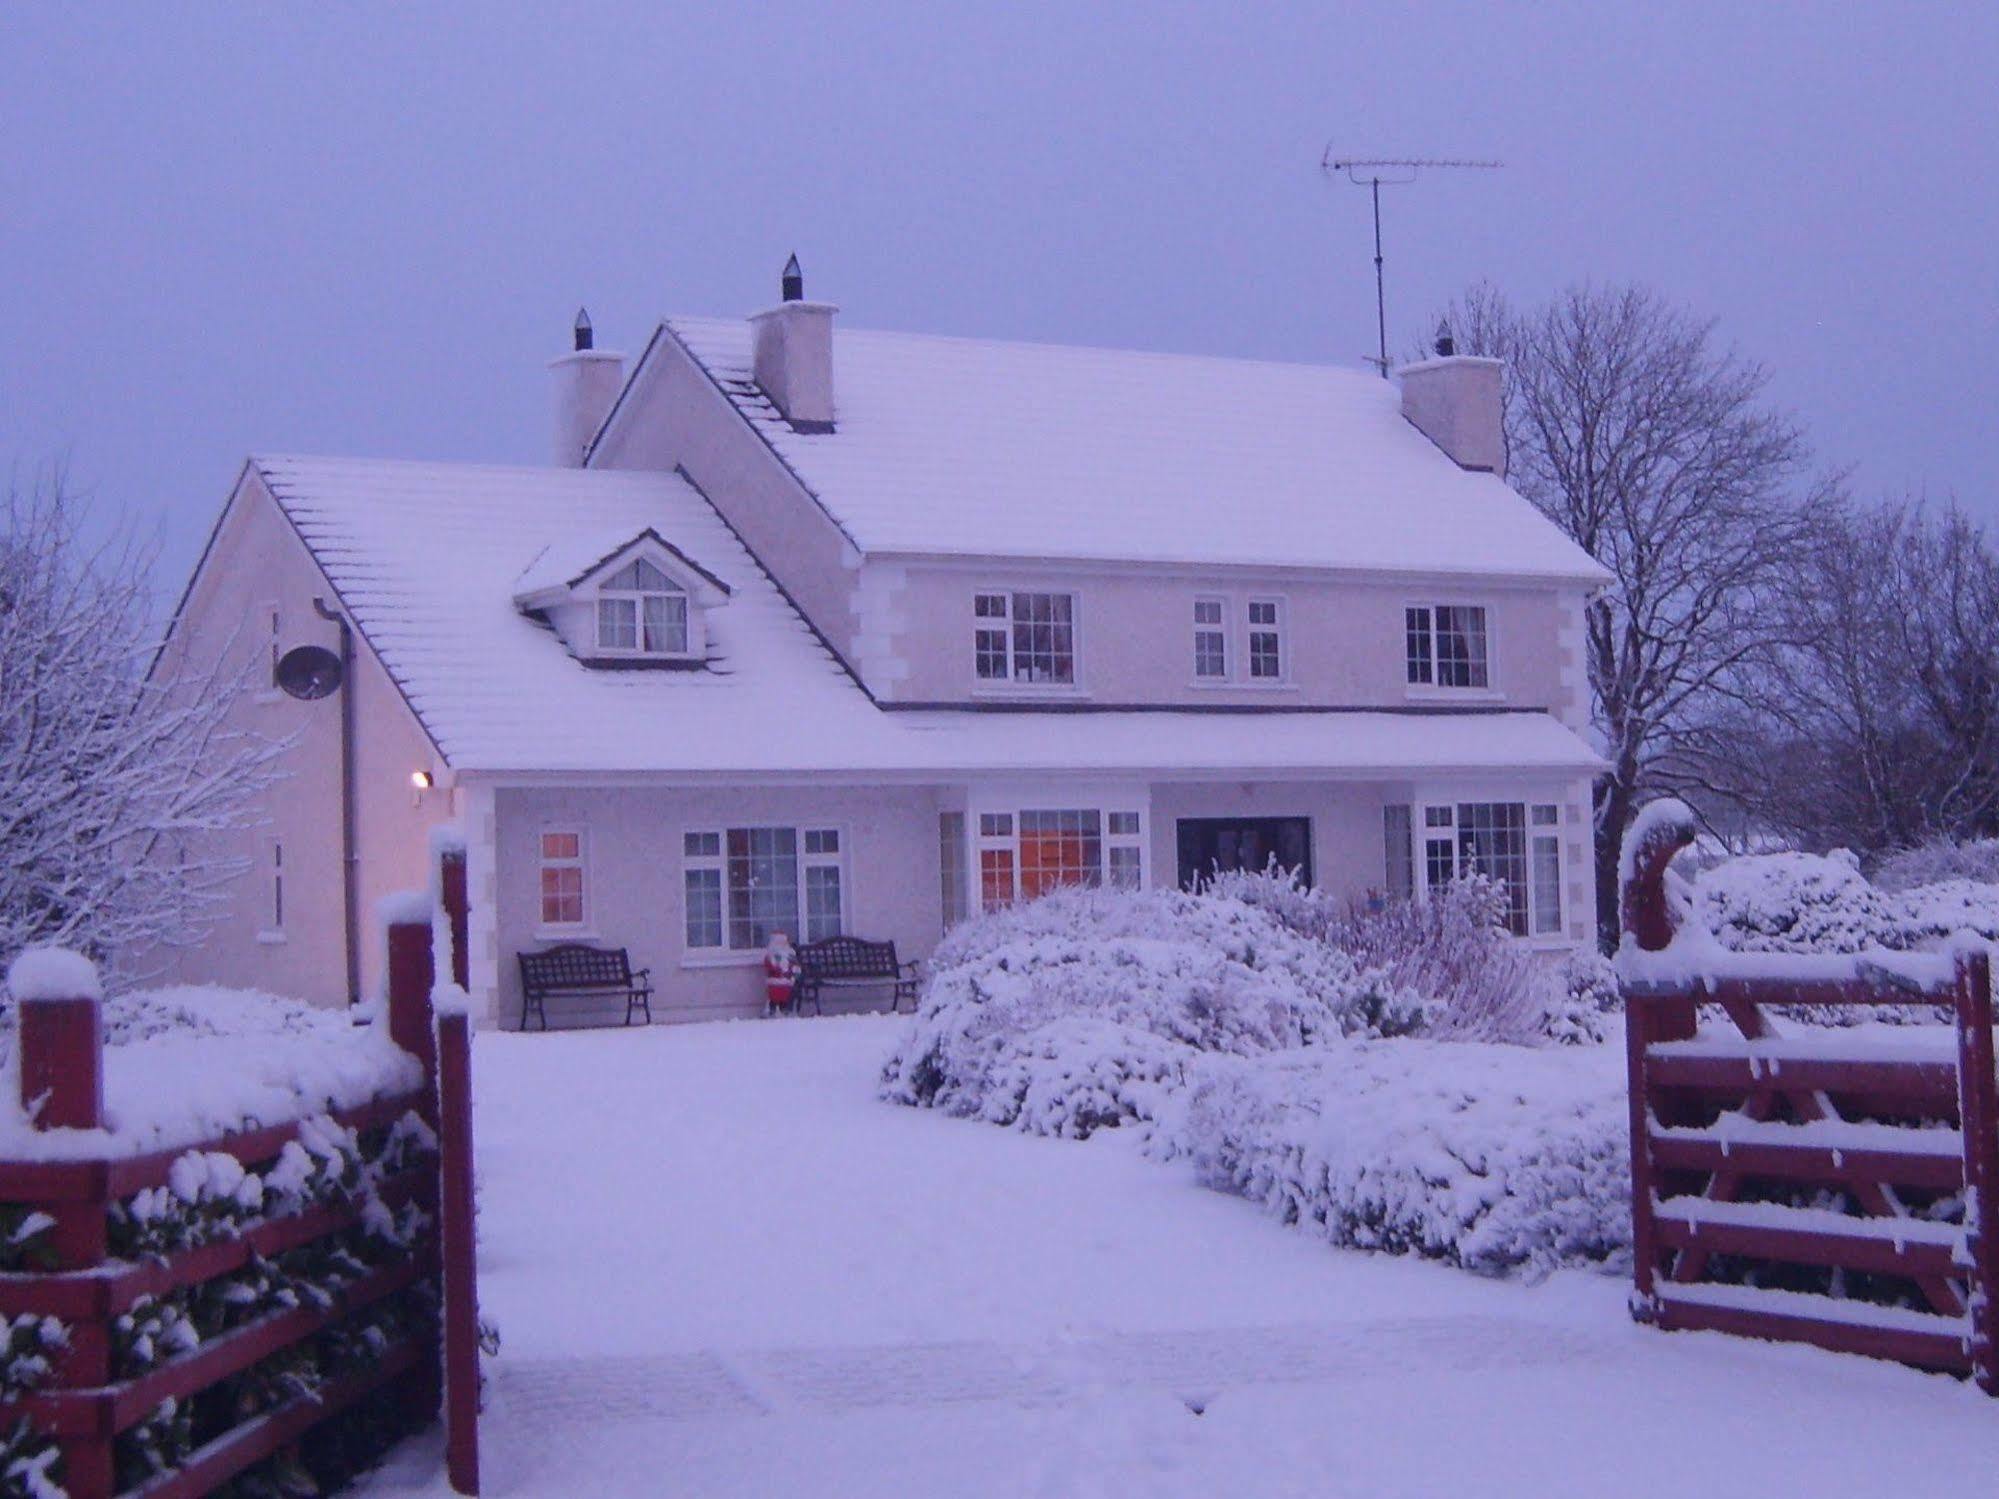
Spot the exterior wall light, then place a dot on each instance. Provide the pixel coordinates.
(423, 780)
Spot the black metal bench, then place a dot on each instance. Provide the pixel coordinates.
(587, 972)
(847, 962)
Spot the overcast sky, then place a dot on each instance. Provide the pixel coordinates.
(364, 229)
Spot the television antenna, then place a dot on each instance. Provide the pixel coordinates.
(1375, 175)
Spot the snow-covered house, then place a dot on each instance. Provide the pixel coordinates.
(819, 630)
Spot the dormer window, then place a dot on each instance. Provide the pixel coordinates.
(625, 600)
(641, 611)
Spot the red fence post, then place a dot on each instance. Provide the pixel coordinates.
(460, 1252)
(62, 1087)
(1647, 917)
(411, 975)
(1978, 1118)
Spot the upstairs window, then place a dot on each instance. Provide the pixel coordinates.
(1026, 638)
(641, 611)
(1211, 641)
(1266, 640)
(1446, 645)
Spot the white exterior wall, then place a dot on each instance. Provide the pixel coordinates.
(1344, 637)
(256, 563)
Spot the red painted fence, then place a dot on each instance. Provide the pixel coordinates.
(1810, 1184)
(87, 1407)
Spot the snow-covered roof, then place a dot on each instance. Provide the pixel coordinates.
(427, 556)
(971, 446)
(569, 558)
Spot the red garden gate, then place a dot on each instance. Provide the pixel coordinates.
(1836, 1187)
(110, 1392)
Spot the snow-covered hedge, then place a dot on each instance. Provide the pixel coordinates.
(191, 1062)
(1082, 1009)
(1821, 903)
(1486, 1156)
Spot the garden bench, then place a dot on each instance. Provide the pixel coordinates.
(587, 972)
(846, 962)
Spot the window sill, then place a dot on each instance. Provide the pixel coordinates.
(722, 959)
(1421, 694)
(1245, 685)
(1028, 691)
(564, 934)
(272, 939)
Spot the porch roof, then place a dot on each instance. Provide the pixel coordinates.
(427, 558)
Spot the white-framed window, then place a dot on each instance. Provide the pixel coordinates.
(562, 881)
(1446, 645)
(743, 884)
(1514, 843)
(1035, 850)
(641, 612)
(1211, 640)
(951, 866)
(276, 620)
(1024, 638)
(1266, 640)
(1399, 852)
(274, 887)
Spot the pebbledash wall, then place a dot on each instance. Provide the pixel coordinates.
(254, 601)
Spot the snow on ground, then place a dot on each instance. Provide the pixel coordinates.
(721, 1267)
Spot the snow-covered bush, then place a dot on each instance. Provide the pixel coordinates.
(1939, 861)
(1453, 949)
(1582, 997)
(1795, 903)
(1081, 1009)
(1486, 1156)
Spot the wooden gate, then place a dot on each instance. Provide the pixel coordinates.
(1822, 1185)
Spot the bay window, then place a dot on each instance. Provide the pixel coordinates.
(1034, 851)
(1516, 845)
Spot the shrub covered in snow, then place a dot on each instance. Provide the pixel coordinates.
(1082, 1009)
(1486, 1156)
(1794, 903)
(1453, 949)
(1939, 861)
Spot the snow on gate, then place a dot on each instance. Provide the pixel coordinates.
(235, 1242)
(1838, 1188)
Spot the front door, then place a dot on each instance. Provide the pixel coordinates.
(1208, 844)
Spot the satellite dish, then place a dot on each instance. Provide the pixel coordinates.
(309, 672)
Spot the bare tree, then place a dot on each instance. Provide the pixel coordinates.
(1878, 713)
(112, 774)
(1653, 448)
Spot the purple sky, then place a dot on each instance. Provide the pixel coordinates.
(364, 229)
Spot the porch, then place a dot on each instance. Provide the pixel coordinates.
(692, 880)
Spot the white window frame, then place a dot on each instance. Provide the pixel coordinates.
(995, 828)
(273, 865)
(1005, 623)
(1280, 627)
(602, 593)
(580, 863)
(724, 951)
(1434, 688)
(1219, 628)
(1435, 819)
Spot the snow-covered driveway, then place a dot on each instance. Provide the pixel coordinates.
(720, 1267)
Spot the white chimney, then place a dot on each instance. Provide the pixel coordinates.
(587, 381)
(1455, 401)
(793, 361)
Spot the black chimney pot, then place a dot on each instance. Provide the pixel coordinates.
(584, 337)
(793, 285)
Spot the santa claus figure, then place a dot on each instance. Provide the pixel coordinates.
(780, 973)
